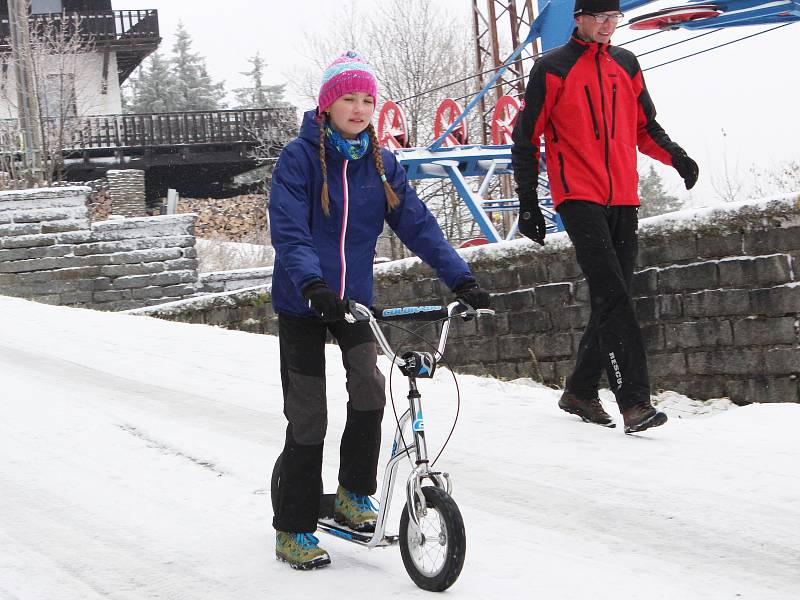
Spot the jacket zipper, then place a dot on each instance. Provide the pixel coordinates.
(563, 176)
(605, 124)
(613, 109)
(345, 210)
(591, 111)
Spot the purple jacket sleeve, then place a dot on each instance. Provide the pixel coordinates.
(289, 215)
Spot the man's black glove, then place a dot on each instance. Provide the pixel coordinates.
(322, 299)
(531, 219)
(685, 167)
(473, 294)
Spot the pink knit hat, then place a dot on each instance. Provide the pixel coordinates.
(347, 74)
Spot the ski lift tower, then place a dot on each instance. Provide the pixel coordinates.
(491, 19)
(488, 19)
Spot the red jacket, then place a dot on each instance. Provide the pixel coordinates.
(590, 102)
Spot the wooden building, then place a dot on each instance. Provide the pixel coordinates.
(199, 153)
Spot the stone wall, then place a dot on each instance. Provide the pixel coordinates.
(717, 292)
(226, 281)
(247, 309)
(51, 252)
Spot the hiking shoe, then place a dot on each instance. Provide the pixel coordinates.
(354, 510)
(590, 410)
(300, 550)
(642, 416)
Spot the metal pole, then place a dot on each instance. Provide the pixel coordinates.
(479, 65)
(26, 104)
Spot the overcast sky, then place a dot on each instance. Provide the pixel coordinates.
(749, 90)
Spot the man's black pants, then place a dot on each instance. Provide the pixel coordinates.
(302, 351)
(606, 245)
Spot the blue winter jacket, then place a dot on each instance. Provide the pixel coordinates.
(339, 249)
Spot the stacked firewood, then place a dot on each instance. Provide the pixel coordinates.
(99, 200)
(238, 219)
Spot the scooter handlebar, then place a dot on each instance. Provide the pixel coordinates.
(362, 314)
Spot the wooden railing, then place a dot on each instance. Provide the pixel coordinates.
(197, 127)
(106, 26)
(268, 126)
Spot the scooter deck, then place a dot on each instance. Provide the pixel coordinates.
(327, 524)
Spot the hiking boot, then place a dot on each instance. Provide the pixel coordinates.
(590, 410)
(300, 550)
(642, 416)
(354, 510)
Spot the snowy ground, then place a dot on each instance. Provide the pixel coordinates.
(220, 255)
(136, 452)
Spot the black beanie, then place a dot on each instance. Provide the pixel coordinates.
(595, 6)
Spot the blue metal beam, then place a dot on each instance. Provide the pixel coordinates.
(473, 203)
(745, 13)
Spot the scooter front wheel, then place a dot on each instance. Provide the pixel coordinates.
(433, 555)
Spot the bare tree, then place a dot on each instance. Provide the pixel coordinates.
(64, 94)
(320, 48)
(729, 185)
(781, 178)
(416, 46)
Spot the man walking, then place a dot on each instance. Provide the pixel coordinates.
(589, 100)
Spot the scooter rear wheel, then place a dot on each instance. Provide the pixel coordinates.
(433, 555)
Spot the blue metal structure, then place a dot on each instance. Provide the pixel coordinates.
(553, 26)
(748, 12)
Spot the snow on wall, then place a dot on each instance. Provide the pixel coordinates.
(51, 252)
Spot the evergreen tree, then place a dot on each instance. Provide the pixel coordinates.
(195, 89)
(152, 89)
(653, 196)
(258, 95)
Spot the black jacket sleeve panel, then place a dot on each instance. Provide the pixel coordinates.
(527, 134)
(651, 137)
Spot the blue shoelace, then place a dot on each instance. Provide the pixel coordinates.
(306, 540)
(364, 503)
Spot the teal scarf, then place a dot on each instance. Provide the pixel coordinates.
(350, 149)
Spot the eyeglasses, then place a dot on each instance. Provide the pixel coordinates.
(601, 18)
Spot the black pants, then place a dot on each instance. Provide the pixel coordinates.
(606, 246)
(302, 350)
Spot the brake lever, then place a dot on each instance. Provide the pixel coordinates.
(468, 313)
(355, 315)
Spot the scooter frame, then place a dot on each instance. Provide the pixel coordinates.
(400, 449)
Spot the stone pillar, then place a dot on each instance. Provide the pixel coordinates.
(127, 192)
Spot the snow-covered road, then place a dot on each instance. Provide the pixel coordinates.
(135, 453)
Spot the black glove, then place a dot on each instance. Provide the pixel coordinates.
(685, 167)
(473, 294)
(531, 219)
(322, 299)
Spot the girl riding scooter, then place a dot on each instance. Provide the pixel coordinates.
(332, 189)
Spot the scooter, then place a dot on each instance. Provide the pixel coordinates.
(432, 538)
